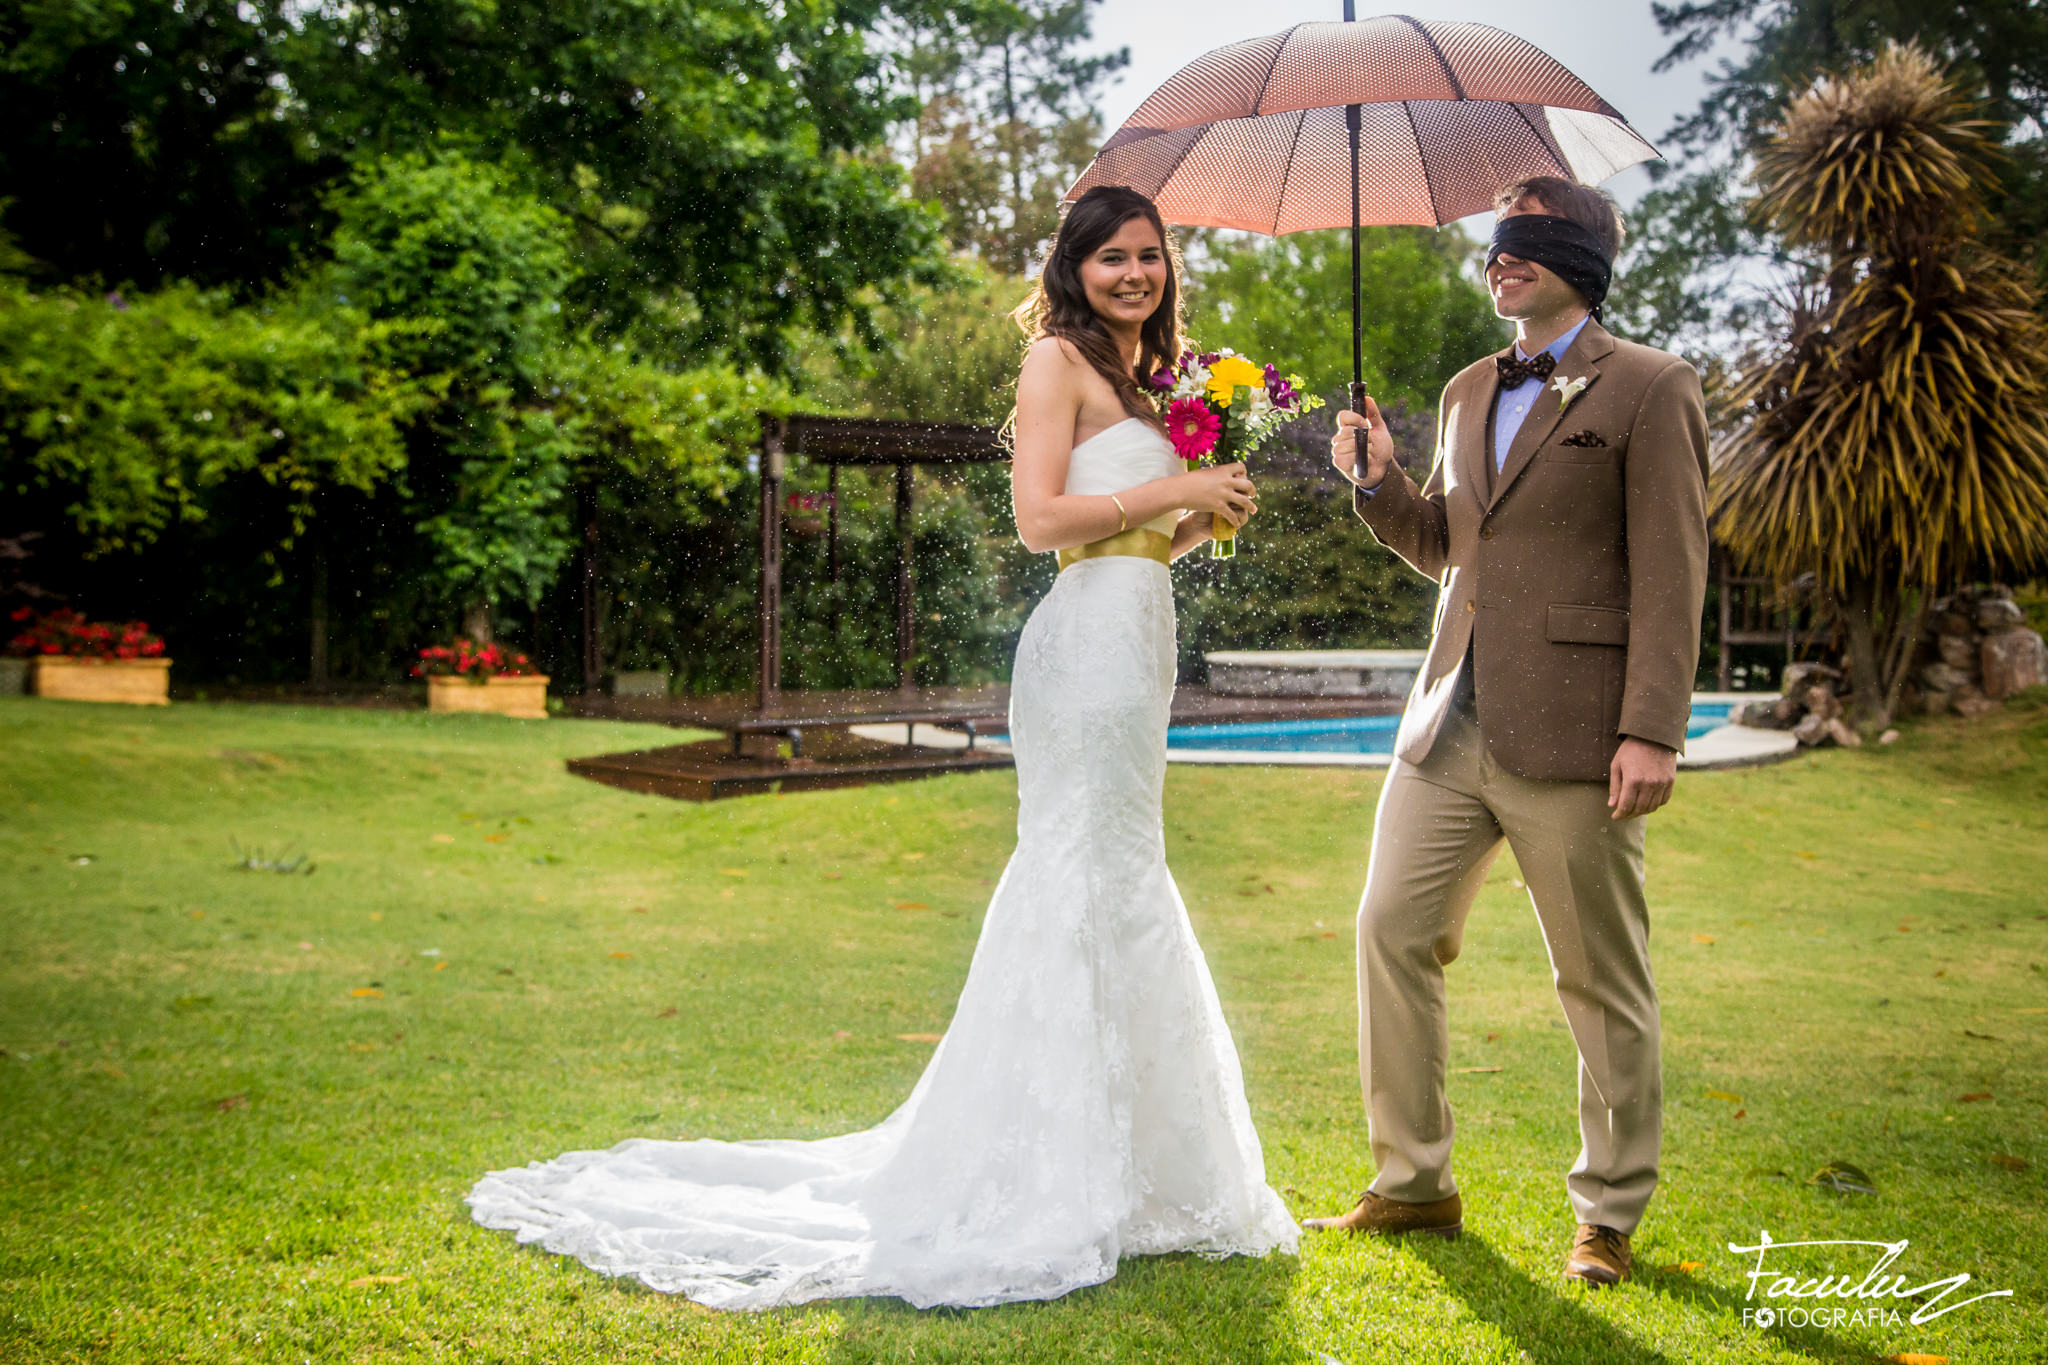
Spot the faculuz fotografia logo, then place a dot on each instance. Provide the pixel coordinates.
(1845, 1300)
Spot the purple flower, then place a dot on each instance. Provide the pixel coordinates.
(1163, 379)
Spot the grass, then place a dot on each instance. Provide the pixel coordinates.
(215, 1146)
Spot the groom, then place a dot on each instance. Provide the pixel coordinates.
(1565, 519)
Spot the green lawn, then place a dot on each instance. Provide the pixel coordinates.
(216, 1146)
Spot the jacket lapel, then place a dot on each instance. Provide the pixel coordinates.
(1594, 343)
(1474, 453)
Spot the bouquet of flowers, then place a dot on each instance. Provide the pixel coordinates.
(1220, 407)
(466, 659)
(65, 632)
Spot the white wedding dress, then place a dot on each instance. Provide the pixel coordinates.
(1086, 1102)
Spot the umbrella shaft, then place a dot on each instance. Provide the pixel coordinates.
(1351, 122)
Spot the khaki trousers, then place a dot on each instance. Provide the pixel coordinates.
(1438, 827)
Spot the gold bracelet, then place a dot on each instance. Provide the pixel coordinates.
(1123, 518)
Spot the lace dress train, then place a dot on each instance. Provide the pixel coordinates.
(1086, 1102)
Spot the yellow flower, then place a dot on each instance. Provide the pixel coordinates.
(1230, 373)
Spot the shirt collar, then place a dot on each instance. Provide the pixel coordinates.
(1558, 347)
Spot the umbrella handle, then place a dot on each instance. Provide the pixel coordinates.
(1358, 433)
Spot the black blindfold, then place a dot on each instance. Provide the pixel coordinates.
(1559, 245)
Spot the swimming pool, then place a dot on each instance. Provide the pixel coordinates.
(1352, 735)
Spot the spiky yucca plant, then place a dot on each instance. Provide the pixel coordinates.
(1894, 439)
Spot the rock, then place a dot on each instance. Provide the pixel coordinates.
(1958, 651)
(1843, 733)
(1972, 707)
(1942, 678)
(1761, 715)
(1888, 737)
(1934, 703)
(1995, 614)
(2013, 660)
(1811, 731)
(1798, 677)
(1954, 622)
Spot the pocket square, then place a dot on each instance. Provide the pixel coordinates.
(1585, 440)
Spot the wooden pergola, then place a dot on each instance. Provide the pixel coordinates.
(834, 442)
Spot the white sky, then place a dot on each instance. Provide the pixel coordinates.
(1609, 44)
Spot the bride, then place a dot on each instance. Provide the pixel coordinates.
(1086, 1102)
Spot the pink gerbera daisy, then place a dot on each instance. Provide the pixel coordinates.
(1192, 428)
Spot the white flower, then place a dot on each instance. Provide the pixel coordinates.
(1568, 389)
(1258, 404)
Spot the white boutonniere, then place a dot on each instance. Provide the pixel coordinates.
(1568, 389)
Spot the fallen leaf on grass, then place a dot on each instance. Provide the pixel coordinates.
(732, 872)
(1724, 1095)
(440, 966)
(912, 905)
(496, 838)
(1702, 938)
(1843, 1178)
(621, 954)
(842, 1033)
(668, 1013)
(1475, 1070)
(1981, 1037)
(1742, 1113)
(232, 1102)
(1684, 1267)
(365, 990)
(919, 1037)
(198, 914)
(2012, 1163)
(363, 1281)
(444, 838)
(639, 909)
(1973, 1097)
(1804, 854)
(912, 857)
(1916, 1358)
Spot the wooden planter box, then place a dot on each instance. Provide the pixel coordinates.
(70, 677)
(522, 695)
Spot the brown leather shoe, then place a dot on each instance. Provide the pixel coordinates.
(1600, 1257)
(1382, 1217)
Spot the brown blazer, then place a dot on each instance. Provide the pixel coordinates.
(1575, 575)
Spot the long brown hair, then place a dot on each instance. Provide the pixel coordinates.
(1059, 307)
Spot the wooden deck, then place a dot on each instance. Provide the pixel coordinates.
(818, 750)
(708, 770)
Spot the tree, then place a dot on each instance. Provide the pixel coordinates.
(1005, 116)
(714, 159)
(1687, 280)
(1895, 439)
(1288, 300)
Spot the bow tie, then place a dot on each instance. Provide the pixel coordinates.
(1515, 373)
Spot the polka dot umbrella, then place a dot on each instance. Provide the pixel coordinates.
(1387, 120)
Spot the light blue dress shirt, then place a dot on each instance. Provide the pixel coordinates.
(1511, 406)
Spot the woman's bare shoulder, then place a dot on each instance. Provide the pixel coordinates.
(1054, 355)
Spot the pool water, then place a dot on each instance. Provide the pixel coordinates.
(1354, 735)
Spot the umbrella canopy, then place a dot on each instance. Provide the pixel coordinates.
(1255, 135)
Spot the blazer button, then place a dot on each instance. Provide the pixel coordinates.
(1486, 533)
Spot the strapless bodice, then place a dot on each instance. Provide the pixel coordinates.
(1123, 456)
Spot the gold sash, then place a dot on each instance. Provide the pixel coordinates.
(1141, 541)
